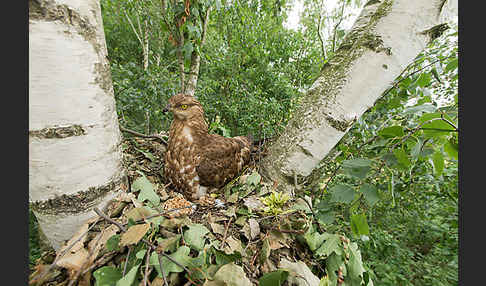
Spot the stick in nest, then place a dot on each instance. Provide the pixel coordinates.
(143, 135)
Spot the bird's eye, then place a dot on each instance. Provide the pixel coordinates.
(184, 106)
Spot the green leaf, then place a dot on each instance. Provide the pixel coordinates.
(223, 258)
(332, 244)
(402, 158)
(326, 217)
(275, 278)
(357, 167)
(419, 109)
(146, 189)
(253, 179)
(141, 253)
(107, 276)
(112, 242)
(314, 239)
(333, 262)
(147, 155)
(436, 74)
(370, 194)
(342, 194)
(359, 225)
(415, 152)
(451, 65)
(169, 244)
(451, 149)
(181, 256)
(391, 132)
(355, 265)
(194, 236)
(435, 128)
(438, 163)
(128, 279)
(424, 79)
(323, 206)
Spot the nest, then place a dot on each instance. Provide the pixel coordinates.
(142, 239)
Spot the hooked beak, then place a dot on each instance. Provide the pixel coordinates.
(166, 108)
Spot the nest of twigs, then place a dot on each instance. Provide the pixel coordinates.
(150, 235)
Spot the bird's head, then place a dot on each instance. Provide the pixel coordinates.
(184, 107)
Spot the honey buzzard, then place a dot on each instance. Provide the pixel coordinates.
(197, 162)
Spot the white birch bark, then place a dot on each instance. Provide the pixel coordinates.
(74, 140)
(383, 41)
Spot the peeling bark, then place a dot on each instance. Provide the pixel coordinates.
(384, 40)
(74, 139)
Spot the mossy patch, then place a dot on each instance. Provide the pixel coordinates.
(58, 132)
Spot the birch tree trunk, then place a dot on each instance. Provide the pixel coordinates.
(74, 140)
(383, 41)
(190, 86)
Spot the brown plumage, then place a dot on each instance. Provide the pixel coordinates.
(195, 160)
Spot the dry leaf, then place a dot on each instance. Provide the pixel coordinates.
(217, 228)
(126, 197)
(96, 245)
(299, 273)
(138, 213)
(233, 245)
(74, 261)
(134, 234)
(277, 240)
(246, 231)
(254, 228)
(253, 203)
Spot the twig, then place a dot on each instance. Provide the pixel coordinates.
(146, 267)
(336, 26)
(410, 74)
(133, 28)
(162, 270)
(226, 232)
(126, 261)
(448, 122)
(413, 132)
(101, 214)
(143, 135)
(168, 257)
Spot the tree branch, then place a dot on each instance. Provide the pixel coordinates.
(335, 28)
(143, 135)
(133, 28)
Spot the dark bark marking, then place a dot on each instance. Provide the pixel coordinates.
(58, 132)
(78, 202)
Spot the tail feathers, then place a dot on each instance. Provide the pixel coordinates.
(245, 140)
(250, 138)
